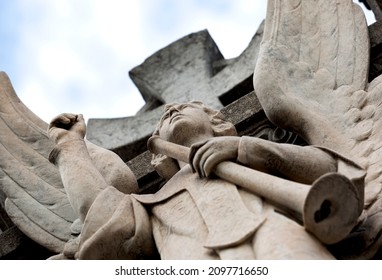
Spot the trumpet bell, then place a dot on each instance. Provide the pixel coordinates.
(330, 210)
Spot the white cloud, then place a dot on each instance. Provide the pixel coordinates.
(74, 56)
(78, 52)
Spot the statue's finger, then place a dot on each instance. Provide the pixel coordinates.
(202, 156)
(206, 160)
(209, 165)
(191, 156)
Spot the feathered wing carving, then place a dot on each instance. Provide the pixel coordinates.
(36, 200)
(311, 78)
(313, 58)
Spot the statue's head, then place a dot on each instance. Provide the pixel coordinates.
(193, 117)
(182, 124)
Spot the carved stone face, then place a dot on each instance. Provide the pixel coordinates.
(185, 124)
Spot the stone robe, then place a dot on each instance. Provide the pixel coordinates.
(195, 218)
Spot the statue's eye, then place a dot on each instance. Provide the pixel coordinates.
(183, 106)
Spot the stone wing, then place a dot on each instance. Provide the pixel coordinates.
(312, 78)
(313, 68)
(36, 200)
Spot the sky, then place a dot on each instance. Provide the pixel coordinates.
(75, 55)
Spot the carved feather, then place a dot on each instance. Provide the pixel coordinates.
(36, 200)
(311, 78)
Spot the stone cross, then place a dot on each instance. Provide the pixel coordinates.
(191, 68)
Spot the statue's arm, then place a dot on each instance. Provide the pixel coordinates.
(297, 163)
(81, 179)
(302, 164)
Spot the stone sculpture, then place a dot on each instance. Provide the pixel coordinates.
(311, 78)
(208, 218)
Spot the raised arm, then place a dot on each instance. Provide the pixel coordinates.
(81, 179)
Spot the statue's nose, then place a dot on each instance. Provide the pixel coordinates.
(173, 110)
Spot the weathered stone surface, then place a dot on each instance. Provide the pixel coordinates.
(249, 119)
(245, 113)
(5, 221)
(180, 71)
(202, 210)
(232, 80)
(15, 245)
(192, 68)
(125, 136)
(10, 240)
(316, 85)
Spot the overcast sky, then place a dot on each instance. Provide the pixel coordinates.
(74, 55)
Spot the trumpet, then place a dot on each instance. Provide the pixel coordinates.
(329, 208)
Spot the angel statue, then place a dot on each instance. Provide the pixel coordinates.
(208, 218)
(82, 201)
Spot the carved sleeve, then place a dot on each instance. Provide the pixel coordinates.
(297, 163)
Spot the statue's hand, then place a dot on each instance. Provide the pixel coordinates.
(67, 127)
(206, 155)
